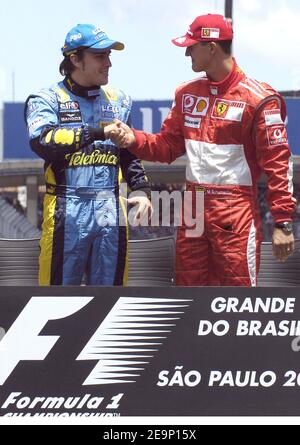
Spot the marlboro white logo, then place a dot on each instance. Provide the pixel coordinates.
(273, 117)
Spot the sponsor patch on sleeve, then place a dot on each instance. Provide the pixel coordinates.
(277, 135)
(32, 107)
(273, 117)
(34, 125)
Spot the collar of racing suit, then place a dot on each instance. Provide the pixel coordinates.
(235, 75)
(78, 90)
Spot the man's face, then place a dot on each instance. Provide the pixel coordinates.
(201, 56)
(94, 67)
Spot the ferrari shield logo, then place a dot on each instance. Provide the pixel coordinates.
(221, 109)
(228, 110)
(210, 33)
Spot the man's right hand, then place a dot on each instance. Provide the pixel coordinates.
(120, 134)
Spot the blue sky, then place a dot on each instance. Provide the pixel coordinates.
(267, 41)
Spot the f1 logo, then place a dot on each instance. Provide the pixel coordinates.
(107, 346)
(21, 343)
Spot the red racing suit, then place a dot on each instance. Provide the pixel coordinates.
(231, 132)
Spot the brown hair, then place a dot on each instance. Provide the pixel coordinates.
(67, 67)
(226, 46)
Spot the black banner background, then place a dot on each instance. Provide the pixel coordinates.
(61, 375)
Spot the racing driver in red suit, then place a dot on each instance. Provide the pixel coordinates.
(231, 128)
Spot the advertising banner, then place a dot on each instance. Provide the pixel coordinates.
(109, 352)
(147, 115)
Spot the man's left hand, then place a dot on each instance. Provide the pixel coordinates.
(143, 208)
(283, 244)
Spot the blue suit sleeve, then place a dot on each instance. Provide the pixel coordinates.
(47, 138)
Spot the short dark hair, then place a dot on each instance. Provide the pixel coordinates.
(67, 67)
(226, 46)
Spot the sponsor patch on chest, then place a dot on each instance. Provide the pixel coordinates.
(70, 118)
(69, 113)
(110, 111)
(194, 105)
(228, 110)
(109, 108)
(192, 122)
(96, 158)
(69, 106)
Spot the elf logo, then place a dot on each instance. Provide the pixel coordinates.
(122, 345)
(67, 106)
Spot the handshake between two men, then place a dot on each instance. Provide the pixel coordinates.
(123, 136)
(120, 134)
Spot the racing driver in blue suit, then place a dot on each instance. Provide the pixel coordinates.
(67, 125)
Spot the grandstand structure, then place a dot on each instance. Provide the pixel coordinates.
(15, 225)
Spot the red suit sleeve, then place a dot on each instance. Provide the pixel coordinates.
(165, 146)
(274, 157)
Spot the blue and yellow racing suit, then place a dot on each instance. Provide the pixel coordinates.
(81, 233)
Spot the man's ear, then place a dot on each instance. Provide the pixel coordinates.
(213, 47)
(74, 60)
